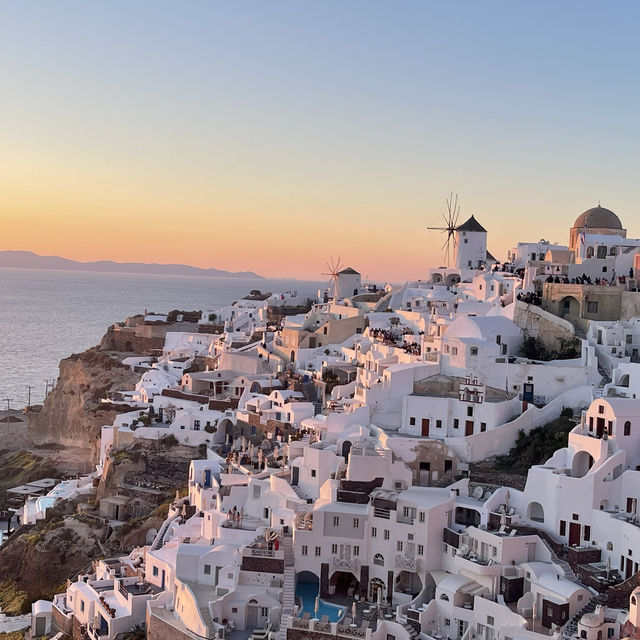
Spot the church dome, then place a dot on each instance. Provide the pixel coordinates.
(597, 218)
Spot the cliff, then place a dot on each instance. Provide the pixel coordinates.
(72, 414)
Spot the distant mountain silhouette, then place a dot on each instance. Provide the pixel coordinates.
(30, 260)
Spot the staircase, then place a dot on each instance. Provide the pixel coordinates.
(158, 541)
(566, 567)
(413, 632)
(571, 628)
(288, 587)
(208, 621)
(311, 395)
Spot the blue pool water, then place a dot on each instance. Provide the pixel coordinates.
(307, 592)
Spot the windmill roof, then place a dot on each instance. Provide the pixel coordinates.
(471, 225)
(349, 271)
(489, 256)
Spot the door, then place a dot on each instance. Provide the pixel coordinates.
(252, 616)
(574, 533)
(599, 427)
(295, 474)
(628, 572)
(468, 428)
(163, 578)
(425, 426)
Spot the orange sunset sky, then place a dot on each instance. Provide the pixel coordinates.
(269, 138)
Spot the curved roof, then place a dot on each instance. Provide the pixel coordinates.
(598, 218)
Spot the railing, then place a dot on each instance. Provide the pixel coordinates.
(405, 519)
(351, 632)
(342, 564)
(261, 553)
(382, 513)
(405, 562)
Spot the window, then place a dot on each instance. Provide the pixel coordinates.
(374, 532)
(498, 339)
(587, 532)
(473, 351)
(234, 609)
(378, 559)
(438, 424)
(420, 550)
(627, 428)
(470, 412)
(334, 548)
(155, 571)
(412, 421)
(386, 534)
(318, 551)
(601, 408)
(421, 516)
(575, 516)
(454, 351)
(313, 473)
(490, 621)
(399, 545)
(207, 569)
(356, 523)
(563, 528)
(456, 423)
(304, 549)
(483, 426)
(356, 550)
(336, 521)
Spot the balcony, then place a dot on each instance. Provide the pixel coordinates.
(405, 563)
(343, 564)
(405, 519)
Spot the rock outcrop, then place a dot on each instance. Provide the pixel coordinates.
(73, 413)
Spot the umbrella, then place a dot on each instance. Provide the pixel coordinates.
(353, 611)
(379, 599)
(608, 566)
(507, 497)
(317, 605)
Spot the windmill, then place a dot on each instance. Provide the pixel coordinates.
(451, 222)
(333, 268)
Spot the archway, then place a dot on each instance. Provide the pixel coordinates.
(374, 585)
(437, 277)
(536, 512)
(581, 464)
(569, 306)
(343, 585)
(408, 582)
(307, 589)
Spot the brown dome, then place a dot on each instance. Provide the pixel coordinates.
(597, 218)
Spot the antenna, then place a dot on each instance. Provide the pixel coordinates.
(451, 222)
(333, 268)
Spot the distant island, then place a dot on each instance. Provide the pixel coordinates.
(30, 260)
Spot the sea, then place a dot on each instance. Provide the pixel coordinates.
(48, 315)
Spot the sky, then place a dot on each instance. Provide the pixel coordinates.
(272, 136)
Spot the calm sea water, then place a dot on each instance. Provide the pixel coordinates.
(47, 315)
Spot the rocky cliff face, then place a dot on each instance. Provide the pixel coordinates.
(72, 414)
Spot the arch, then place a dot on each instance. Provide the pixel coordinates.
(581, 463)
(378, 559)
(590, 252)
(624, 380)
(535, 512)
(444, 596)
(374, 585)
(408, 582)
(346, 448)
(293, 356)
(609, 546)
(627, 428)
(633, 600)
(569, 306)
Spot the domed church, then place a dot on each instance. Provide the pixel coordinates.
(597, 220)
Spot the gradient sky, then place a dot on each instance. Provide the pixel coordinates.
(272, 135)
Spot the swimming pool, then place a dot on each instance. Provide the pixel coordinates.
(307, 592)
